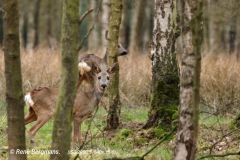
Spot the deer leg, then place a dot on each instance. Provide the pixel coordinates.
(31, 116)
(80, 132)
(76, 125)
(33, 130)
(77, 134)
(80, 80)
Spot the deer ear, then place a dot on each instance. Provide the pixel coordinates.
(96, 69)
(112, 68)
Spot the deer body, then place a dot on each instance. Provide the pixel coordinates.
(42, 104)
(88, 60)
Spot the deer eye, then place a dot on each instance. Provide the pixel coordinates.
(108, 78)
(99, 77)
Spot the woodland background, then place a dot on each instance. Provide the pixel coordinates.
(40, 32)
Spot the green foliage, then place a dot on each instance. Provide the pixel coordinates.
(158, 132)
(235, 123)
(123, 134)
(129, 114)
(3, 123)
(141, 141)
(161, 132)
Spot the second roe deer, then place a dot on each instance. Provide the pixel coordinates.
(87, 61)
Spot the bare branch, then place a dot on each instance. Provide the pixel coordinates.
(223, 136)
(145, 154)
(163, 139)
(220, 155)
(92, 27)
(84, 15)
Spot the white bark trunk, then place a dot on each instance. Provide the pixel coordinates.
(161, 30)
(189, 82)
(105, 19)
(93, 37)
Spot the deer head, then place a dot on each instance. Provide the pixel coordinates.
(102, 78)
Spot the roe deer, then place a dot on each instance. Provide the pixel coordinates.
(41, 103)
(87, 61)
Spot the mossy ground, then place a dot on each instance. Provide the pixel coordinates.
(130, 140)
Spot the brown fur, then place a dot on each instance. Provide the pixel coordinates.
(91, 59)
(45, 99)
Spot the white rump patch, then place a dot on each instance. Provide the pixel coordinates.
(28, 99)
(83, 67)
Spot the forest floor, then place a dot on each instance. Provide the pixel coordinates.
(130, 140)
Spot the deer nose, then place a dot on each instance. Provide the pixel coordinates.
(104, 86)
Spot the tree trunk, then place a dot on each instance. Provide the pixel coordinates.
(56, 19)
(105, 19)
(123, 26)
(113, 120)
(45, 23)
(14, 93)
(68, 86)
(133, 23)
(147, 29)
(165, 96)
(139, 26)
(93, 37)
(189, 81)
(21, 28)
(30, 31)
(36, 20)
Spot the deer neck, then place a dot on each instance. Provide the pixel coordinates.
(98, 94)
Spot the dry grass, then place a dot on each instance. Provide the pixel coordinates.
(220, 90)
(39, 69)
(43, 69)
(220, 87)
(135, 79)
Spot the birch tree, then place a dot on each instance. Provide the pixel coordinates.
(104, 21)
(93, 38)
(189, 81)
(14, 93)
(165, 95)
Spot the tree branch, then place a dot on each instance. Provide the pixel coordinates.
(84, 15)
(163, 139)
(145, 154)
(92, 27)
(84, 142)
(223, 136)
(219, 155)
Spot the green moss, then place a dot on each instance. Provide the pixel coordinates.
(235, 123)
(141, 141)
(125, 132)
(122, 135)
(166, 99)
(122, 139)
(177, 32)
(161, 132)
(158, 132)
